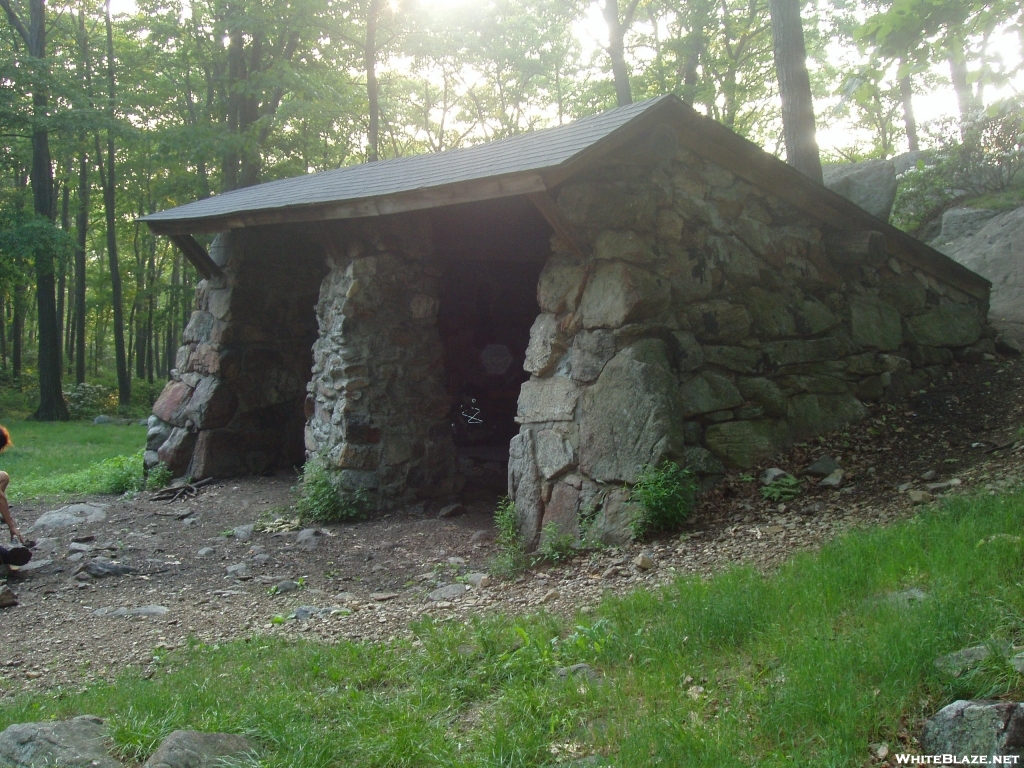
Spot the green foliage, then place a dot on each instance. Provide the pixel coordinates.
(803, 666)
(159, 477)
(511, 560)
(555, 546)
(782, 488)
(982, 159)
(87, 400)
(321, 501)
(665, 495)
(65, 458)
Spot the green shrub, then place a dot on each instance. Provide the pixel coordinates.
(665, 495)
(782, 488)
(159, 477)
(88, 400)
(511, 558)
(981, 158)
(555, 546)
(321, 502)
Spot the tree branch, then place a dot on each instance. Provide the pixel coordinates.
(15, 20)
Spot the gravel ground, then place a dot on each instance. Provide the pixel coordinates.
(368, 580)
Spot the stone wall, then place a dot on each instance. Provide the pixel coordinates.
(378, 408)
(234, 404)
(706, 325)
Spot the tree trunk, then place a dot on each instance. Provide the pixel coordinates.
(794, 88)
(617, 51)
(964, 95)
(3, 329)
(372, 91)
(909, 122)
(17, 329)
(51, 395)
(62, 278)
(124, 381)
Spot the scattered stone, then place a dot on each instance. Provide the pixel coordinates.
(879, 751)
(478, 580)
(833, 480)
(931, 474)
(981, 727)
(74, 743)
(904, 487)
(452, 510)
(308, 538)
(456, 561)
(769, 476)
(206, 552)
(35, 565)
(961, 661)
(383, 597)
(284, 587)
(307, 612)
(448, 592)
(7, 597)
(243, 532)
(76, 546)
(578, 670)
(643, 561)
(814, 508)
(71, 515)
(917, 498)
(193, 749)
(238, 570)
(823, 467)
(100, 568)
(938, 487)
(550, 595)
(481, 537)
(144, 611)
(610, 572)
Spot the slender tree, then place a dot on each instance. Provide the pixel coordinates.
(798, 129)
(618, 26)
(107, 177)
(51, 397)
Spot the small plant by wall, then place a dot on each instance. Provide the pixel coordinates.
(664, 496)
(321, 502)
(511, 559)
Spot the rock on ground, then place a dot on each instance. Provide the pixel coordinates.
(982, 727)
(77, 743)
(194, 749)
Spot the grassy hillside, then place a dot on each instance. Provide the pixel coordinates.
(806, 667)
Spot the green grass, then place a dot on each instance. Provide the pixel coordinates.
(54, 459)
(806, 667)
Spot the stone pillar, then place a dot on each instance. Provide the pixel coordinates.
(379, 411)
(234, 405)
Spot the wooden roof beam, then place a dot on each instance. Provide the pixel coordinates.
(549, 210)
(197, 255)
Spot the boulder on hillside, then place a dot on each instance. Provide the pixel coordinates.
(870, 184)
(76, 743)
(993, 246)
(980, 727)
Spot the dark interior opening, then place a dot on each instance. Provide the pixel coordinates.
(491, 254)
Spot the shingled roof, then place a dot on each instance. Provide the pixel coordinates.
(536, 162)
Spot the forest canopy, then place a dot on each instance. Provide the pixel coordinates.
(108, 115)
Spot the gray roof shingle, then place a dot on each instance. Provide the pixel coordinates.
(533, 151)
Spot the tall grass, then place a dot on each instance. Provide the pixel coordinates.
(63, 458)
(804, 667)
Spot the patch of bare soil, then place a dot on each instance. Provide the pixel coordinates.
(198, 570)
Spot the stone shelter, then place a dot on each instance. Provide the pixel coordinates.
(576, 303)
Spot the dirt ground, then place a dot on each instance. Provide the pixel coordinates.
(198, 571)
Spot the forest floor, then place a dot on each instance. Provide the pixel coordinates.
(199, 571)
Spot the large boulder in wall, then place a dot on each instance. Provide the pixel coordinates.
(632, 415)
(870, 184)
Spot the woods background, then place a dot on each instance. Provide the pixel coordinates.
(106, 117)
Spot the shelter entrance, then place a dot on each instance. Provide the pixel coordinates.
(491, 255)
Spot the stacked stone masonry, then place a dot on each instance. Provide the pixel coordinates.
(704, 323)
(708, 326)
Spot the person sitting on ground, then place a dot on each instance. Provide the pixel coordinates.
(16, 556)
